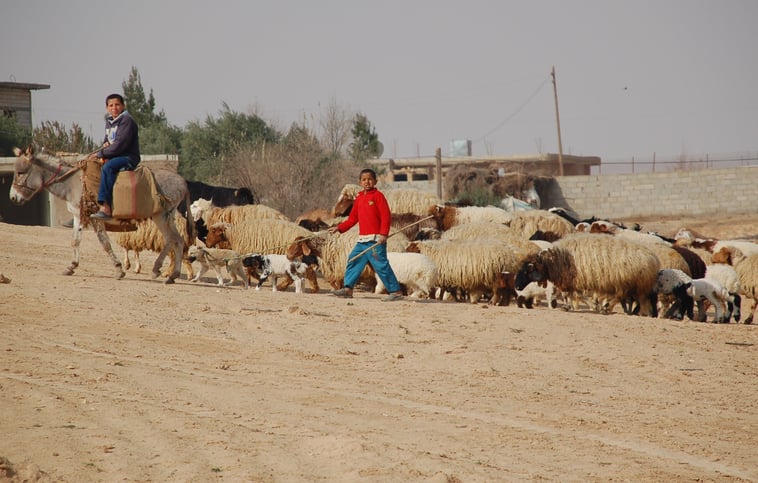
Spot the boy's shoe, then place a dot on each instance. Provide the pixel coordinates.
(392, 297)
(343, 293)
(100, 215)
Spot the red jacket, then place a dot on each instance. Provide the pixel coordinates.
(372, 213)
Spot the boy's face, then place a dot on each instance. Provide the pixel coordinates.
(367, 181)
(114, 107)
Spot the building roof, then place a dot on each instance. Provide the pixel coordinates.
(24, 86)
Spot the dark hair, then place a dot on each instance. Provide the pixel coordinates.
(114, 96)
(368, 171)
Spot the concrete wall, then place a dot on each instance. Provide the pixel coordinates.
(697, 192)
(701, 192)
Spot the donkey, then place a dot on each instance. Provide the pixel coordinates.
(34, 172)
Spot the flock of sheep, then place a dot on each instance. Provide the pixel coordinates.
(482, 254)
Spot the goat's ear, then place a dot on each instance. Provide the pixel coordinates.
(306, 248)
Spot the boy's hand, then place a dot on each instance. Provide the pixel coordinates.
(381, 239)
(333, 229)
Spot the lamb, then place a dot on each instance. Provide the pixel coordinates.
(606, 266)
(672, 282)
(472, 266)
(416, 272)
(447, 216)
(262, 267)
(702, 289)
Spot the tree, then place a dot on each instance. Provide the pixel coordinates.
(365, 143)
(206, 147)
(294, 175)
(335, 126)
(12, 136)
(156, 135)
(55, 137)
(141, 108)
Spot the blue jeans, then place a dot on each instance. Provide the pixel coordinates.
(377, 257)
(108, 177)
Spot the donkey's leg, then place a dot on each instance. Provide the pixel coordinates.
(105, 242)
(76, 241)
(173, 242)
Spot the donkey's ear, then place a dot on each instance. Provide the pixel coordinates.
(17, 152)
(30, 150)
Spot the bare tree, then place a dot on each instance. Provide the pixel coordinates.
(294, 176)
(336, 124)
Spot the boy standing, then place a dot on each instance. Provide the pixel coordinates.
(372, 213)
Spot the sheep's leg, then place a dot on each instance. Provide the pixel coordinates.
(737, 306)
(125, 262)
(298, 285)
(753, 305)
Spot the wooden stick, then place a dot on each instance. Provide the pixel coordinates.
(388, 236)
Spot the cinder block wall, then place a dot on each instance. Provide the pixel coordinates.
(701, 192)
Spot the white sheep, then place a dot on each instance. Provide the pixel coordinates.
(148, 237)
(498, 231)
(416, 272)
(727, 276)
(447, 216)
(410, 200)
(605, 266)
(528, 222)
(472, 266)
(205, 210)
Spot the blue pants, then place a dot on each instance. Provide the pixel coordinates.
(108, 177)
(377, 257)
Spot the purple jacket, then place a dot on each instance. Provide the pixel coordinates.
(123, 135)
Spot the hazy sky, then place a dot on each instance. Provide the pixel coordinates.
(634, 77)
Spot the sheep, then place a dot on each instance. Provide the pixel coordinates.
(497, 231)
(148, 237)
(313, 220)
(333, 252)
(747, 271)
(727, 276)
(528, 222)
(410, 223)
(448, 216)
(416, 272)
(410, 201)
(258, 236)
(602, 265)
(469, 265)
(211, 214)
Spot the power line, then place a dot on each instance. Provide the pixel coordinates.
(515, 113)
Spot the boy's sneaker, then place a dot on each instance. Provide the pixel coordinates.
(343, 293)
(392, 297)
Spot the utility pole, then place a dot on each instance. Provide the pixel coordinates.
(558, 123)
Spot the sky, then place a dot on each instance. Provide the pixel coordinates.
(633, 78)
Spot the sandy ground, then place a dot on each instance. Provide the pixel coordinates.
(133, 380)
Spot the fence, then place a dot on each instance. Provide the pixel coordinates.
(682, 162)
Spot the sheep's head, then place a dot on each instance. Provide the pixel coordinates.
(301, 247)
(199, 207)
(217, 236)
